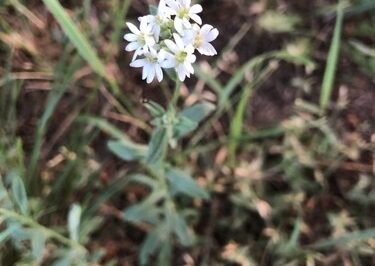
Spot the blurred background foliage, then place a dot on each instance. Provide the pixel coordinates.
(277, 168)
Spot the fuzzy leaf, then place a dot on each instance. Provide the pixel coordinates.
(182, 183)
(74, 220)
(157, 146)
(18, 192)
(145, 211)
(183, 232)
(183, 127)
(155, 109)
(38, 241)
(127, 150)
(149, 247)
(198, 112)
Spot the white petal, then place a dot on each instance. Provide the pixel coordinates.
(212, 35)
(206, 29)
(172, 4)
(144, 25)
(132, 46)
(171, 45)
(130, 37)
(151, 74)
(189, 67)
(179, 41)
(133, 28)
(149, 40)
(196, 18)
(191, 58)
(186, 3)
(146, 71)
(159, 72)
(207, 49)
(189, 49)
(178, 25)
(195, 9)
(169, 63)
(138, 63)
(181, 72)
(137, 52)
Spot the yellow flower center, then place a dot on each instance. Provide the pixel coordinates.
(198, 41)
(142, 39)
(151, 59)
(183, 13)
(181, 56)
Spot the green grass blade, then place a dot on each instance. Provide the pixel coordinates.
(78, 39)
(345, 239)
(236, 125)
(58, 90)
(331, 66)
(207, 78)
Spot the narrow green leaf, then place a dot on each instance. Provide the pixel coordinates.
(150, 246)
(183, 127)
(145, 180)
(345, 239)
(157, 146)
(18, 192)
(155, 109)
(211, 81)
(4, 235)
(104, 126)
(182, 183)
(183, 232)
(333, 56)
(165, 254)
(74, 221)
(77, 38)
(127, 150)
(198, 112)
(38, 241)
(236, 124)
(146, 210)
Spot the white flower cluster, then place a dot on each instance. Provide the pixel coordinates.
(169, 39)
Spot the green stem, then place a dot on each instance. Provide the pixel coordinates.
(176, 94)
(50, 233)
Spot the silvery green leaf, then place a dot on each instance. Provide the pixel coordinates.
(155, 109)
(184, 234)
(4, 235)
(38, 241)
(18, 192)
(150, 246)
(144, 180)
(182, 183)
(183, 127)
(146, 210)
(157, 146)
(165, 254)
(74, 220)
(127, 150)
(198, 112)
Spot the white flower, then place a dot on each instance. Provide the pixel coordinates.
(181, 59)
(169, 38)
(201, 38)
(160, 20)
(140, 39)
(183, 12)
(151, 65)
